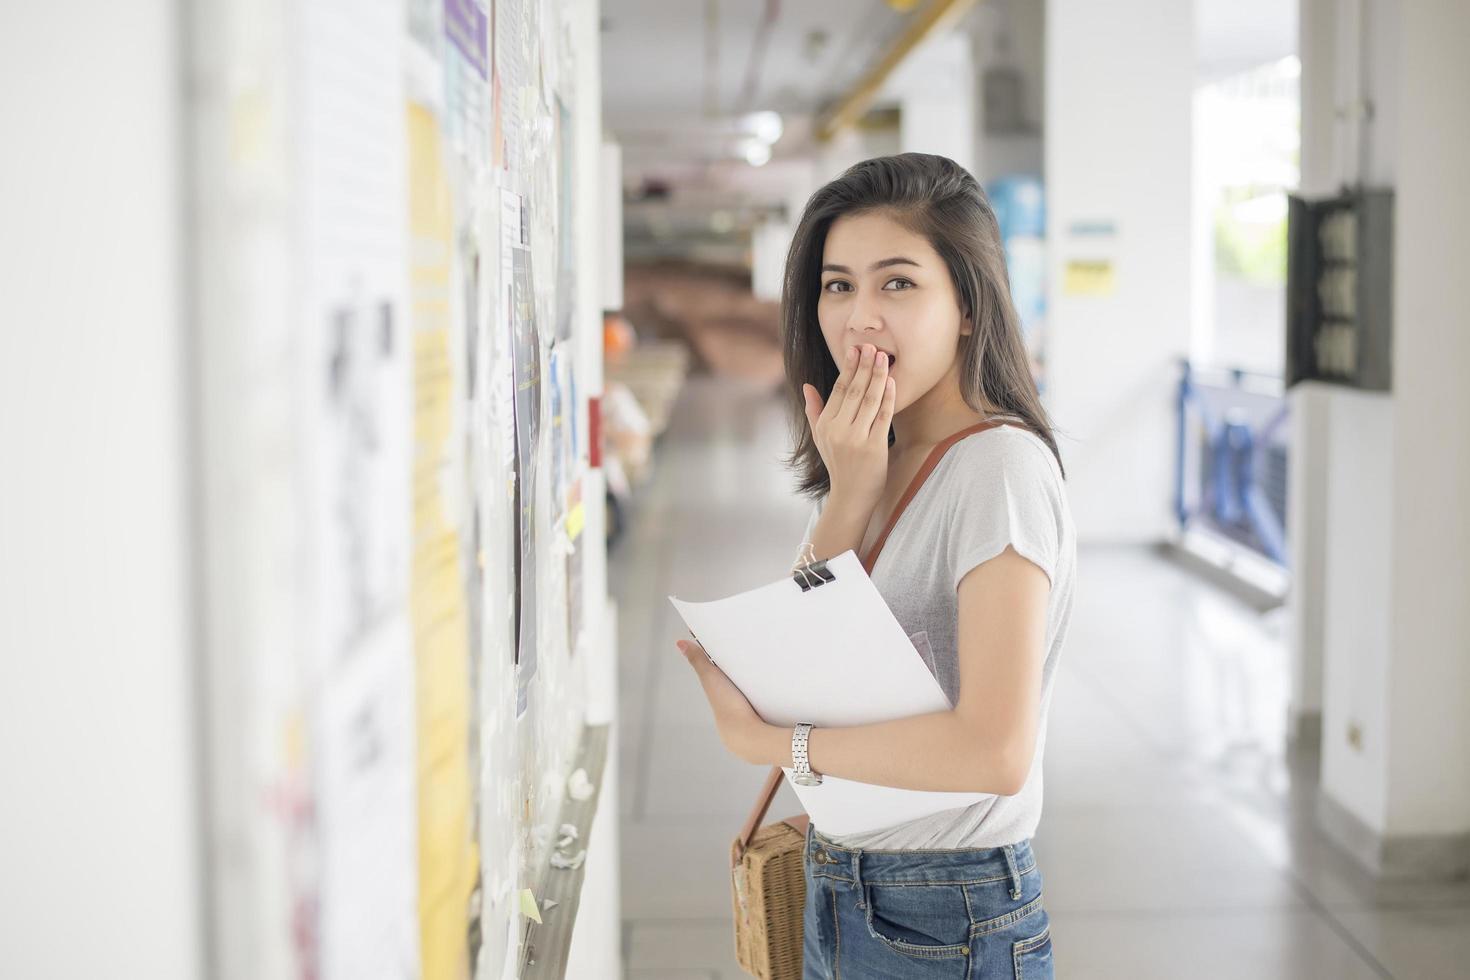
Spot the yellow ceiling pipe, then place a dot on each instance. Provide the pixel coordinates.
(850, 107)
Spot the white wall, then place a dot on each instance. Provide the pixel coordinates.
(1356, 592)
(935, 89)
(99, 836)
(1381, 477)
(1341, 536)
(1429, 744)
(596, 937)
(1119, 78)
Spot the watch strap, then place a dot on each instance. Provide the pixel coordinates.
(800, 761)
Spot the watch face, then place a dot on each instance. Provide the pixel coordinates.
(804, 779)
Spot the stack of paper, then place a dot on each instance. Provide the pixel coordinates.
(833, 656)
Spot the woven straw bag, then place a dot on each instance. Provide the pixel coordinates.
(768, 889)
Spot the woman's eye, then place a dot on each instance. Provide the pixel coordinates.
(837, 286)
(898, 284)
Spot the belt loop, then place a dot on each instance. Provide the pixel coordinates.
(857, 877)
(1010, 853)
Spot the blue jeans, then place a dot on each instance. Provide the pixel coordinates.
(960, 914)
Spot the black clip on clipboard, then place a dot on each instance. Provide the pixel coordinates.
(811, 574)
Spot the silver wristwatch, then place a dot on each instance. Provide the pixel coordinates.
(802, 773)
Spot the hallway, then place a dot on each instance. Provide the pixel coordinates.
(1177, 838)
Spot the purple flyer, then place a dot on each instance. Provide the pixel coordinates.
(465, 25)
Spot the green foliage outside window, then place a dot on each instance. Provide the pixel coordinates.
(1246, 247)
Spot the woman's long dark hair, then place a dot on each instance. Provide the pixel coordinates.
(939, 199)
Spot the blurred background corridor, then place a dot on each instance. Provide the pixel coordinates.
(374, 372)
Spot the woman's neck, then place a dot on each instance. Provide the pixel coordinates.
(938, 414)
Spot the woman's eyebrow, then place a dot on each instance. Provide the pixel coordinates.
(880, 264)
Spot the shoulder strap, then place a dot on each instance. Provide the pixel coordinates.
(931, 461)
(763, 802)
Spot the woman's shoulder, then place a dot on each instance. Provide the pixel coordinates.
(1012, 444)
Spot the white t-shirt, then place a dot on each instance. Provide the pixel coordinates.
(991, 488)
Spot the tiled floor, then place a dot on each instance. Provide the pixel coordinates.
(1177, 839)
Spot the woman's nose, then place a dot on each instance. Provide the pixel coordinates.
(864, 317)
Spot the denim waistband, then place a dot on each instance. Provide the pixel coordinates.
(960, 865)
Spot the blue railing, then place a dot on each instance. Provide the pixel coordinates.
(1230, 474)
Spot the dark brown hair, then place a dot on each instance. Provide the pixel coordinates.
(939, 199)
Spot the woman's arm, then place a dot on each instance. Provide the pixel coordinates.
(933, 752)
(984, 744)
(840, 527)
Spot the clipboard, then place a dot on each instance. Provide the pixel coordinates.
(822, 646)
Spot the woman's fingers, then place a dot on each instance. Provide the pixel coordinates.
(872, 400)
(858, 396)
(842, 385)
(852, 409)
(883, 418)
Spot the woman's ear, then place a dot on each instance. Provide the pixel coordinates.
(967, 326)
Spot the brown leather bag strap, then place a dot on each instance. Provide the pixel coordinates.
(931, 461)
(763, 802)
(767, 793)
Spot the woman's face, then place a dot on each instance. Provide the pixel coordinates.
(884, 285)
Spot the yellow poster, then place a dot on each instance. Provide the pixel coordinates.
(1089, 277)
(448, 857)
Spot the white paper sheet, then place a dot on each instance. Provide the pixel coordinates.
(834, 656)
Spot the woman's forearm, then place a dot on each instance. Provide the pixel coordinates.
(937, 751)
(840, 527)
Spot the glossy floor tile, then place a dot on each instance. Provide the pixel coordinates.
(1178, 837)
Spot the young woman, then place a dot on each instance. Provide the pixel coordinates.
(923, 441)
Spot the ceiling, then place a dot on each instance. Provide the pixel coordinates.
(1235, 35)
(682, 79)
(680, 76)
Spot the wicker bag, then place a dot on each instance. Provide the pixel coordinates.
(769, 889)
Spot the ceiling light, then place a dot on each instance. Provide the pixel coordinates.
(757, 154)
(765, 125)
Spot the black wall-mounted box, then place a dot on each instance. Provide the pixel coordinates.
(1339, 289)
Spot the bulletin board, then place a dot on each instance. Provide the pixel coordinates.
(382, 217)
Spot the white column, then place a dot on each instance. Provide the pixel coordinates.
(1419, 780)
(1429, 699)
(1396, 697)
(936, 97)
(1311, 403)
(850, 146)
(769, 240)
(598, 200)
(611, 203)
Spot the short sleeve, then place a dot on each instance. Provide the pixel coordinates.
(1007, 492)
